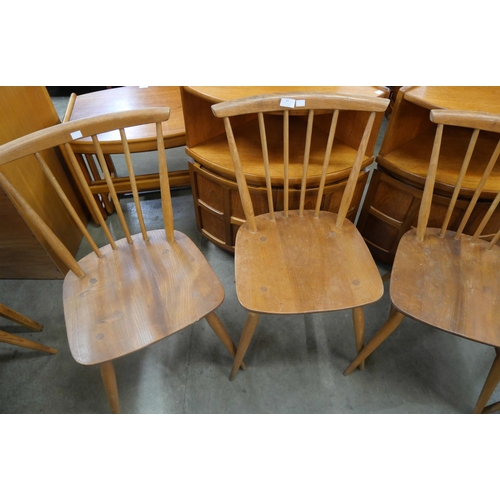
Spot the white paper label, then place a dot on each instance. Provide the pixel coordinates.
(379, 92)
(287, 103)
(76, 135)
(300, 103)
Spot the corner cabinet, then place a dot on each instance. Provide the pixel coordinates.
(393, 199)
(218, 208)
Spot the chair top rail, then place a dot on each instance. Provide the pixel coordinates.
(59, 134)
(470, 119)
(301, 102)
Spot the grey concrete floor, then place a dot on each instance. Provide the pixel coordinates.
(295, 363)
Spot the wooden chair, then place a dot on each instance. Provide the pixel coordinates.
(445, 278)
(134, 291)
(306, 260)
(9, 338)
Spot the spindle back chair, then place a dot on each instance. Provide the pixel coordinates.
(134, 291)
(445, 278)
(304, 260)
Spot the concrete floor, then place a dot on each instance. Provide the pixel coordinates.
(295, 363)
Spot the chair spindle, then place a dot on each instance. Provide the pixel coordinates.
(286, 160)
(461, 176)
(111, 187)
(166, 199)
(133, 183)
(89, 195)
(246, 202)
(354, 174)
(307, 151)
(479, 190)
(425, 204)
(265, 157)
(62, 195)
(326, 161)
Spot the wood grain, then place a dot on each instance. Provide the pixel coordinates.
(303, 265)
(451, 284)
(137, 295)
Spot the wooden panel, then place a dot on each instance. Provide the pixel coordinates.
(211, 193)
(393, 203)
(212, 226)
(21, 255)
(25, 110)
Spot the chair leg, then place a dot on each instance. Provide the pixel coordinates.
(220, 330)
(8, 338)
(109, 379)
(492, 408)
(489, 386)
(358, 318)
(390, 325)
(8, 313)
(246, 337)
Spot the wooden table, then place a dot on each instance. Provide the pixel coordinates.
(217, 204)
(143, 138)
(393, 198)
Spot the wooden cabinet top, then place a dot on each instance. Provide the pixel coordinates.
(485, 99)
(220, 94)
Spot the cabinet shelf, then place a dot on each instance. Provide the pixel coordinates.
(411, 161)
(214, 154)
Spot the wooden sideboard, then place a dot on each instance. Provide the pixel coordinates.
(22, 252)
(218, 208)
(393, 199)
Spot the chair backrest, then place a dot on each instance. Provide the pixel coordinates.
(61, 136)
(299, 108)
(480, 158)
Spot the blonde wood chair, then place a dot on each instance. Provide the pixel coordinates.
(306, 260)
(132, 292)
(441, 276)
(9, 338)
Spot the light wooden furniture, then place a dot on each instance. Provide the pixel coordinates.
(141, 138)
(9, 338)
(308, 260)
(23, 254)
(443, 277)
(133, 292)
(219, 213)
(392, 202)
